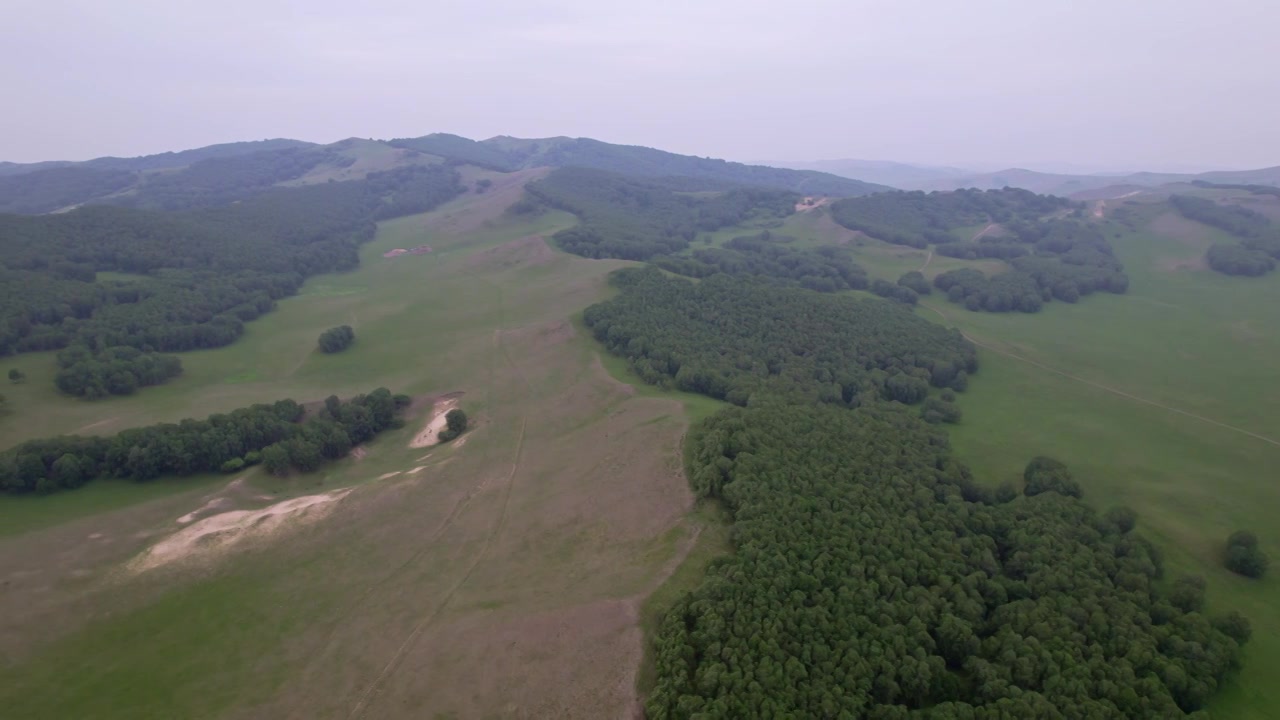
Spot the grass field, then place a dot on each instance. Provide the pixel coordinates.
(502, 575)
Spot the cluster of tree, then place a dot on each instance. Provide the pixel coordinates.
(1239, 260)
(874, 577)
(508, 153)
(118, 370)
(824, 269)
(47, 190)
(455, 423)
(916, 281)
(1002, 292)
(337, 339)
(634, 219)
(918, 219)
(274, 434)
(206, 271)
(1244, 557)
(736, 339)
(895, 291)
(1239, 221)
(1259, 246)
(1071, 260)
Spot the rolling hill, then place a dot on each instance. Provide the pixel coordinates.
(220, 174)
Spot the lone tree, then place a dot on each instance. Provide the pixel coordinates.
(455, 425)
(337, 339)
(16, 375)
(1243, 555)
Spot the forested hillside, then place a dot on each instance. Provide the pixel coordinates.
(181, 158)
(872, 575)
(508, 153)
(1259, 245)
(633, 219)
(205, 176)
(205, 271)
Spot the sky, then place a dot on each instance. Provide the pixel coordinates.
(1085, 84)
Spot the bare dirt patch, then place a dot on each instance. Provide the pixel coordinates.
(812, 203)
(214, 535)
(430, 434)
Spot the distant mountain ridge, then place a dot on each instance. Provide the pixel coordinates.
(510, 153)
(923, 177)
(220, 174)
(159, 161)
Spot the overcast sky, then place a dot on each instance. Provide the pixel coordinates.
(1119, 84)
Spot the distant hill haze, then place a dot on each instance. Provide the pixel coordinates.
(924, 177)
(221, 174)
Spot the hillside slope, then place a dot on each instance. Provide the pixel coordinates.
(509, 153)
(1062, 184)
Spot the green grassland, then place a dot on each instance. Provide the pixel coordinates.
(566, 500)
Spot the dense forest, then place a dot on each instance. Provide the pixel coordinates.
(508, 153)
(1259, 246)
(825, 269)
(634, 219)
(918, 219)
(52, 189)
(741, 340)
(200, 273)
(873, 577)
(276, 435)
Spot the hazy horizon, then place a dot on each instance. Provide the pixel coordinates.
(984, 85)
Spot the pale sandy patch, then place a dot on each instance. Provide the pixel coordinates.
(430, 434)
(207, 538)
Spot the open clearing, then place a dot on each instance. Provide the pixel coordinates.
(499, 575)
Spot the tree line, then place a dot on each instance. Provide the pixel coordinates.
(202, 273)
(1259, 245)
(277, 435)
(633, 219)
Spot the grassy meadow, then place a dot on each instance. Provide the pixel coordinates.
(502, 573)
